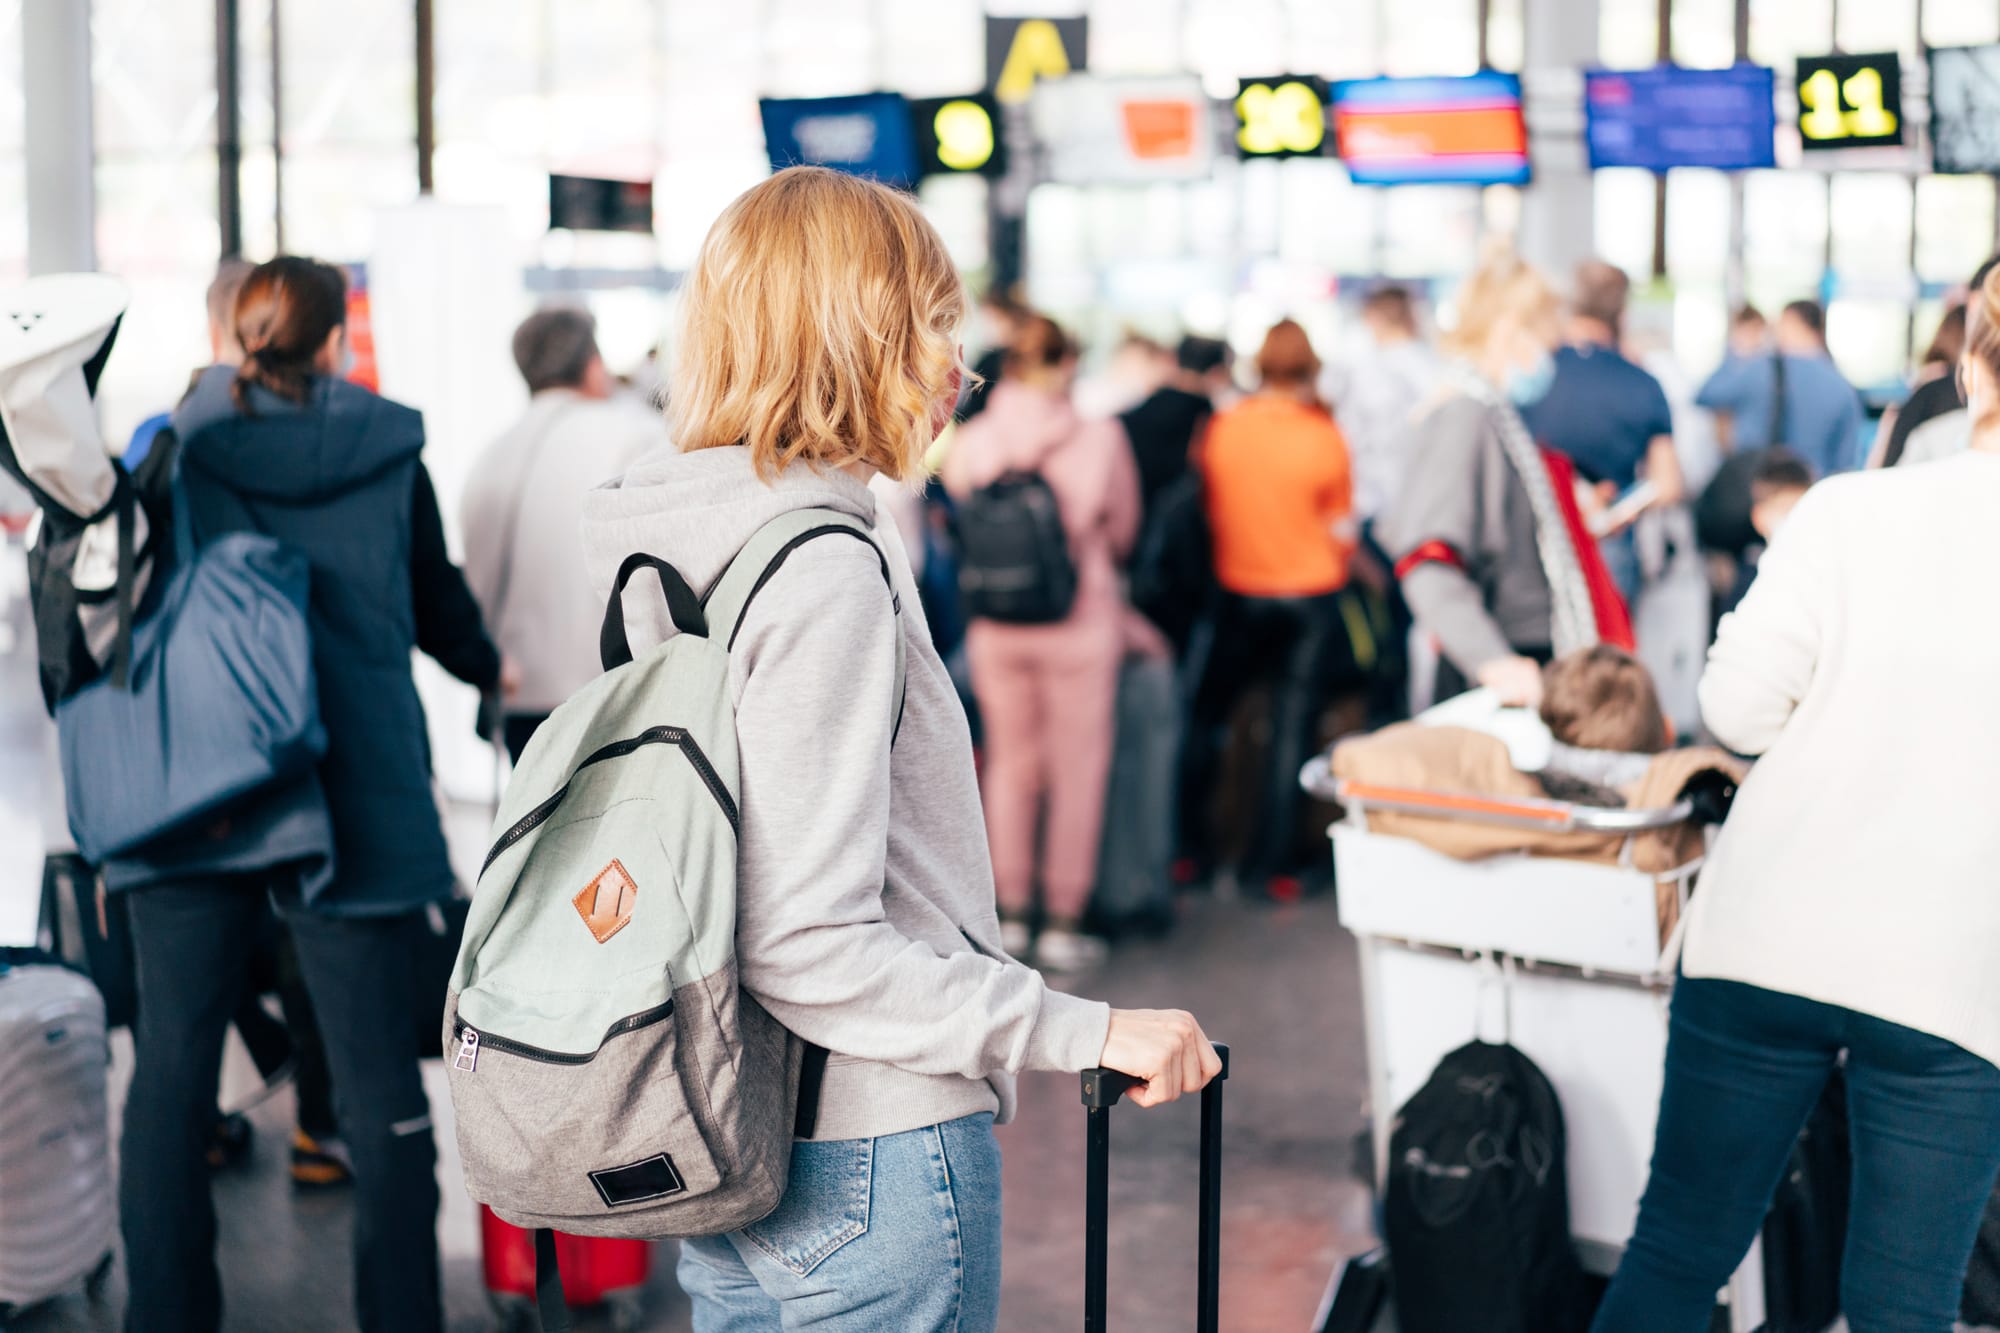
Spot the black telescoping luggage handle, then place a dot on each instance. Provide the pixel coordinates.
(614, 648)
(1101, 1090)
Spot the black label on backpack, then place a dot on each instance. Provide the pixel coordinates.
(641, 1182)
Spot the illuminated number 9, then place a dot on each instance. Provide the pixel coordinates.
(964, 135)
(1285, 119)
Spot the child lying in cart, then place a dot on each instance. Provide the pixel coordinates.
(1505, 780)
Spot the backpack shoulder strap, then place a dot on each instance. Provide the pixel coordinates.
(728, 601)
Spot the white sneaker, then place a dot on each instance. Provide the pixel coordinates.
(1014, 938)
(1068, 951)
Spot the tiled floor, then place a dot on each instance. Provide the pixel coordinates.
(1278, 983)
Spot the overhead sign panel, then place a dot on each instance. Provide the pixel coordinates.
(1466, 130)
(1282, 116)
(1850, 101)
(1965, 109)
(959, 136)
(588, 203)
(1125, 131)
(867, 134)
(1666, 117)
(1021, 52)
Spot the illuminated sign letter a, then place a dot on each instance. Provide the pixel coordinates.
(1035, 53)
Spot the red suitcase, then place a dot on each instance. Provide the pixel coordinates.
(595, 1271)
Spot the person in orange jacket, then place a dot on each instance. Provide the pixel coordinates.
(1280, 498)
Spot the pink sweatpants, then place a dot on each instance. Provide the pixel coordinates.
(1048, 706)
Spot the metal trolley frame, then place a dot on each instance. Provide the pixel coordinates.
(1571, 952)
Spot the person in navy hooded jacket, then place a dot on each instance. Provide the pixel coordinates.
(283, 446)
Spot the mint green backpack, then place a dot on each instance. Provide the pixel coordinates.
(609, 1075)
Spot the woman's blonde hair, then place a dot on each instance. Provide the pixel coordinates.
(1504, 285)
(820, 324)
(1982, 333)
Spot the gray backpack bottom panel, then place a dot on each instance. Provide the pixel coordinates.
(632, 1141)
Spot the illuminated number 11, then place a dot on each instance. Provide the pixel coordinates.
(1825, 117)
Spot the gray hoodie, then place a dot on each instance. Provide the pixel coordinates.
(865, 917)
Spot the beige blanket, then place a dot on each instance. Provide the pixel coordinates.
(1474, 764)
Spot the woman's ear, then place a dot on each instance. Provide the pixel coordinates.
(327, 360)
(947, 400)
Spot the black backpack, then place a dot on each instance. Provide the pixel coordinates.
(1014, 561)
(1173, 569)
(1805, 1232)
(1477, 1207)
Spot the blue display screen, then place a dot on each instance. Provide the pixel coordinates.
(1664, 117)
(867, 134)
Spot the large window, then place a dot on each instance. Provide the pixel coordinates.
(13, 165)
(153, 84)
(1960, 22)
(349, 92)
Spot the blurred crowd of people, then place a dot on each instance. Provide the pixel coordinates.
(1298, 547)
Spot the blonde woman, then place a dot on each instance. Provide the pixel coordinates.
(1848, 911)
(820, 351)
(1487, 536)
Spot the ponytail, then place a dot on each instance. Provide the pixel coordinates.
(284, 315)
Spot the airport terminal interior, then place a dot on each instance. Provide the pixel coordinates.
(1338, 592)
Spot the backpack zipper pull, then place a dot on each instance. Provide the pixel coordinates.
(467, 1058)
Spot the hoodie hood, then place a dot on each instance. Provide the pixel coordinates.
(1017, 432)
(697, 510)
(341, 437)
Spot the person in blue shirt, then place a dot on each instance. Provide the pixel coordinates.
(1821, 416)
(1609, 417)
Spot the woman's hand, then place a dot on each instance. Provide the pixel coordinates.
(1165, 1047)
(1517, 681)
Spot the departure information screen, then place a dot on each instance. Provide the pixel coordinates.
(1965, 109)
(1432, 131)
(1665, 117)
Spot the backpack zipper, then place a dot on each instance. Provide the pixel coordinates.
(471, 1041)
(538, 816)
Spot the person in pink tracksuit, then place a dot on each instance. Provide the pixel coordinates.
(1047, 693)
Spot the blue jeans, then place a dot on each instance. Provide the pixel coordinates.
(1744, 1068)
(900, 1232)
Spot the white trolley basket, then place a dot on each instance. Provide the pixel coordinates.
(1560, 958)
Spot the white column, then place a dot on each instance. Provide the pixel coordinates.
(1558, 211)
(55, 70)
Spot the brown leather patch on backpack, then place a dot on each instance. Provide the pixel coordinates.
(605, 904)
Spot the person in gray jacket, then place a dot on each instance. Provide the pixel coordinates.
(821, 350)
(523, 506)
(1480, 532)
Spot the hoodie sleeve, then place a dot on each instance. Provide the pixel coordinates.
(1433, 530)
(1768, 649)
(449, 626)
(814, 943)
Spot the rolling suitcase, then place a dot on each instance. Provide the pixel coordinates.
(595, 1271)
(1101, 1090)
(57, 1214)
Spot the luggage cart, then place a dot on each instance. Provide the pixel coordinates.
(1561, 958)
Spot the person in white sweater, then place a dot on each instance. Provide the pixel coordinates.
(522, 515)
(1850, 905)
